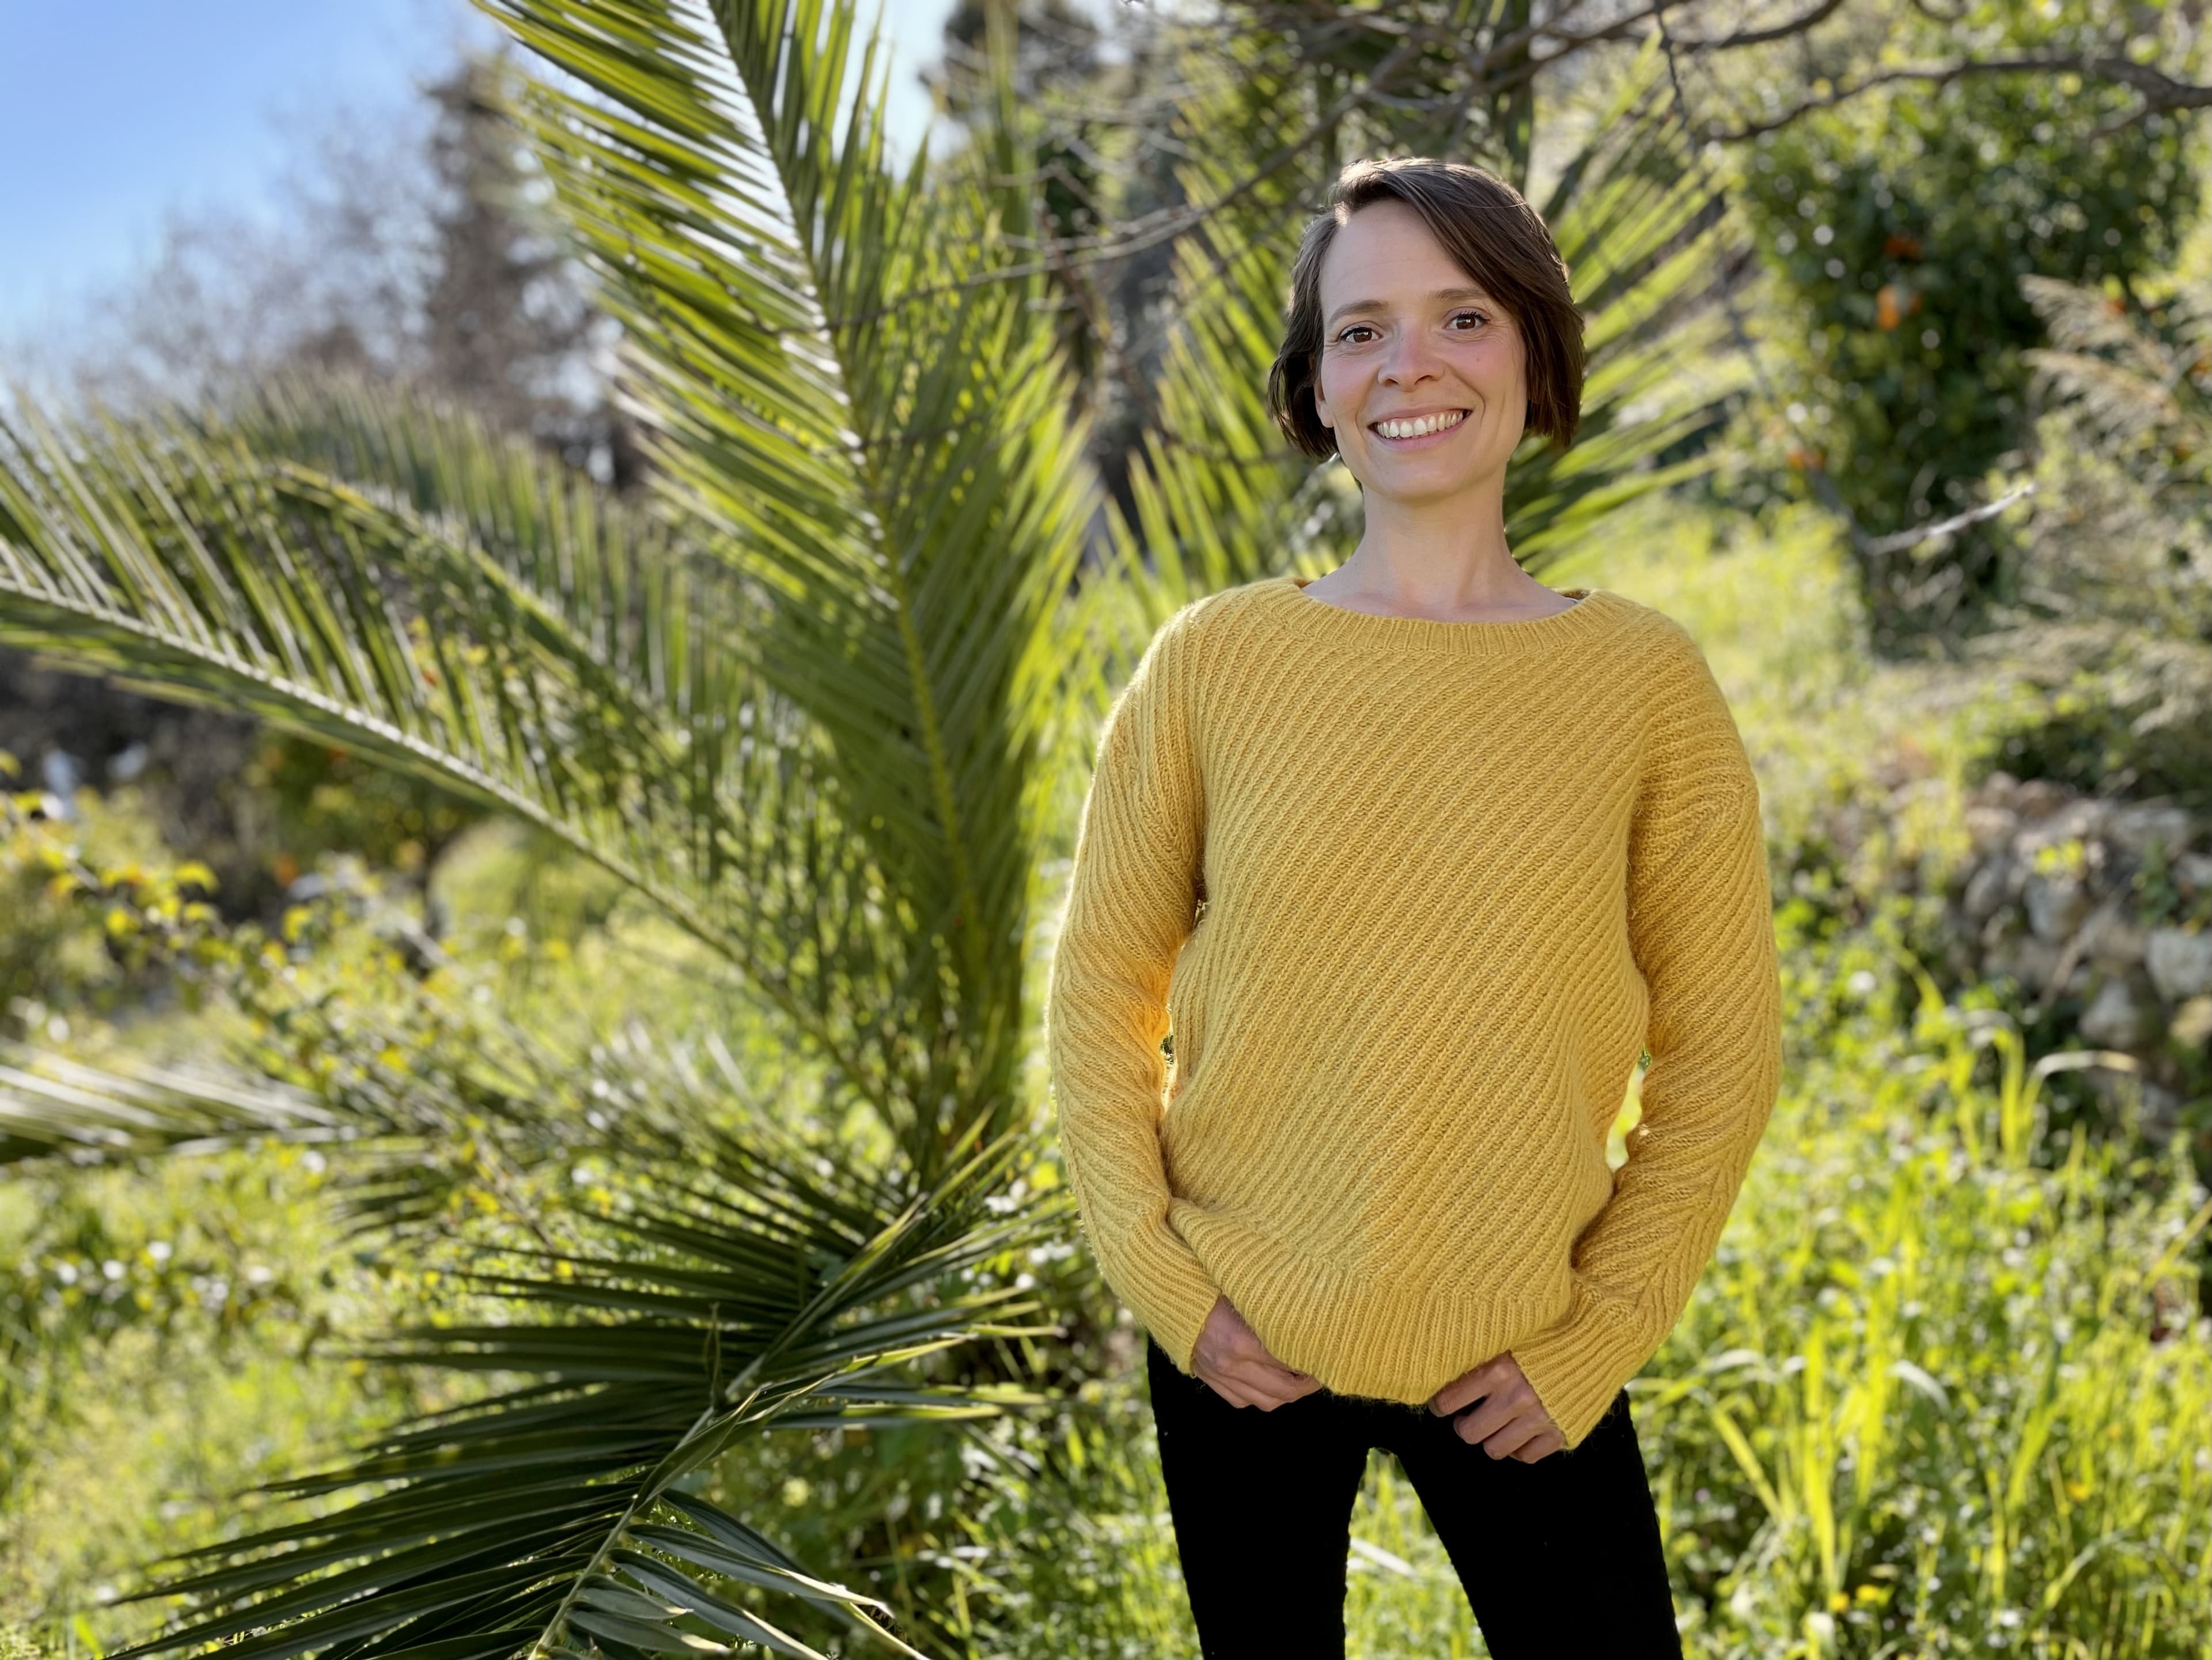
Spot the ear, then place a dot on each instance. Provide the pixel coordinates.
(1321, 404)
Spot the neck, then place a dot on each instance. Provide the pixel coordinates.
(1439, 555)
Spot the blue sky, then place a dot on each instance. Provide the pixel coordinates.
(113, 113)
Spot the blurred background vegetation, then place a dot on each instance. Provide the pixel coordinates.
(545, 708)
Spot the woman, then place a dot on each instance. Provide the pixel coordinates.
(1409, 864)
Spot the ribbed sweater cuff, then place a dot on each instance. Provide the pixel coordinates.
(1166, 1288)
(1577, 1365)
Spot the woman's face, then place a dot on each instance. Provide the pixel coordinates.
(1407, 334)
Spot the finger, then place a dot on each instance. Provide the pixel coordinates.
(1517, 1433)
(1275, 1388)
(1465, 1389)
(1267, 1375)
(1480, 1423)
(1250, 1351)
(1241, 1387)
(1234, 1393)
(1542, 1447)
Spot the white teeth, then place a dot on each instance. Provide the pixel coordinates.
(1426, 424)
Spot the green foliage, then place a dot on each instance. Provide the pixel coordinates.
(325, 799)
(2101, 723)
(57, 959)
(168, 1334)
(1897, 229)
(1959, 1368)
(2113, 634)
(605, 1188)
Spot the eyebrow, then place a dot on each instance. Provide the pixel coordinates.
(1367, 306)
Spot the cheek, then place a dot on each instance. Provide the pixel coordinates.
(1335, 385)
(1494, 365)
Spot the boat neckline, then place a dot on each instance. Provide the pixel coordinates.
(1595, 609)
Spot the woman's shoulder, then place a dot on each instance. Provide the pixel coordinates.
(1224, 609)
(1207, 627)
(1645, 627)
(1655, 644)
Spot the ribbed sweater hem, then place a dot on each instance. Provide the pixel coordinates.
(1370, 1334)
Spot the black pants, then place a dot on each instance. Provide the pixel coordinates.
(1560, 1557)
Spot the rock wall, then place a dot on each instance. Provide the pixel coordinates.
(2101, 911)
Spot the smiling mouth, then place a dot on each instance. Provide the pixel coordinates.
(1399, 432)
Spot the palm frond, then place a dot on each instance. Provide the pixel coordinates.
(835, 375)
(170, 554)
(556, 1510)
(2128, 382)
(802, 702)
(52, 1107)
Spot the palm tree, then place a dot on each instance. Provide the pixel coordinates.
(811, 699)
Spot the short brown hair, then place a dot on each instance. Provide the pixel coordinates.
(1501, 242)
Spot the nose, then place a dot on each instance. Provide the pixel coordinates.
(1411, 357)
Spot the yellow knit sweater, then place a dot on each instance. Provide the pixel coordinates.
(1410, 898)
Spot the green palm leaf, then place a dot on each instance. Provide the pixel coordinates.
(579, 670)
(801, 706)
(838, 378)
(799, 702)
(173, 556)
(52, 1107)
(730, 1299)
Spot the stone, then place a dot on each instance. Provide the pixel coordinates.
(2037, 798)
(2114, 1018)
(1989, 826)
(1994, 881)
(2030, 962)
(2137, 826)
(2161, 1113)
(2192, 1023)
(2058, 903)
(2111, 936)
(2180, 961)
(2081, 818)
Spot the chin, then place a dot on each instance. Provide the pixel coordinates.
(1414, 482)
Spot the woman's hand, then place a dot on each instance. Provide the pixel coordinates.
(1511, 1422)
(1233, 1362)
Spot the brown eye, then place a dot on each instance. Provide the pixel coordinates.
(1475, 316)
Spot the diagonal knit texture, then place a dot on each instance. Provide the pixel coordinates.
(1411, 898)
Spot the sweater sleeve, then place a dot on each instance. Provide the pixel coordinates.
(1701, 926)
(1133, 898)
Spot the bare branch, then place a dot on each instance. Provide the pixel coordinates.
(1957, 521)
(1748, 37)
(2159, 91)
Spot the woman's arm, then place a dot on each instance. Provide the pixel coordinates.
(1700, 917)
(1131, 899)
